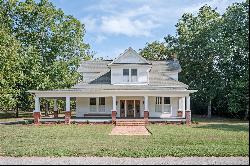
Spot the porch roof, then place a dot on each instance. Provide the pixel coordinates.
(114, 90)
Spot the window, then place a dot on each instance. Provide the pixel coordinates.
(92, 103)
(101, 104)
(102, 101)
(167, 107)
(166, 100)
(125, 75)
(158, 105)
(130, 75)
(162, 104)
(134, 75)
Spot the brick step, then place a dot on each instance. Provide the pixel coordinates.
(130, 123)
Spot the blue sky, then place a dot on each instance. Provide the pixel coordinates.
(114, 25)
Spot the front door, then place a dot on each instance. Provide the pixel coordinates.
(137, 108)
(130, 108)
(122, 108)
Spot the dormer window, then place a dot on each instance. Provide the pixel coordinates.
(133, 75)
(125, 75)
(130, 75)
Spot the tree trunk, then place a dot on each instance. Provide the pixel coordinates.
(209, 110)
(246, 113)
(47, 108)
(17, 111)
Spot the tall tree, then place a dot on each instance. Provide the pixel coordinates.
(213, 50)
(51, 44)
(232, 44)
(196, 53)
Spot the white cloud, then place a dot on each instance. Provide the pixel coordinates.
(90, 23)
(139, 18)
(127, 26)
(129, 22)
(100, 38)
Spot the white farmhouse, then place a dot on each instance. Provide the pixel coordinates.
(128, 87)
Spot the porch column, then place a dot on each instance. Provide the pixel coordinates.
(113, 112)
(67, 111)
(146, 111)
(37, 112)
(55, 109)
(188, 111)
(179, 112)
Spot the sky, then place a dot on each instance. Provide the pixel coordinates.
(114, 25)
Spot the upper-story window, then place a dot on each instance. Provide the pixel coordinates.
(133, 75)
(125, 75)
(130, 75)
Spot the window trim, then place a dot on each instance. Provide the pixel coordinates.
(130, 75)
(136, 75)
(97, 105)
(160, 102)
(100, 100)
(125, 76)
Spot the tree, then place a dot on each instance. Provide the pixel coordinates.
(156, 51)
(9, 69)
(52, 46)
(196, 53)
(232, 43)
(213, 51)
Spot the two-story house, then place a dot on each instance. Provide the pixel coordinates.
(126, 87)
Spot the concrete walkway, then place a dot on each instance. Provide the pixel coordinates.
(124, 161)
(129, 130)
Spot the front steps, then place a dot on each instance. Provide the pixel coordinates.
(130, 122)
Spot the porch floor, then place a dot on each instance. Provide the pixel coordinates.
(105, 119)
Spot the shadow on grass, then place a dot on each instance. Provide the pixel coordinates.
(4, 115)
(225, 127)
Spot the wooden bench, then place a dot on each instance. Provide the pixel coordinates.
(94, 115)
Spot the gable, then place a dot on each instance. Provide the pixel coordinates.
(130, 56)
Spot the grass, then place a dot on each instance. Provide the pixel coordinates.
(93, 140)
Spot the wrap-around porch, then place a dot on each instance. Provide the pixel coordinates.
(113, 108)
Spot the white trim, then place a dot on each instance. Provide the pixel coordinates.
(133, 83)
(67, 104)
(146, 103)
(109, 93)
(37, 104)
(183, 106)
(125, 108)
(114, 103)
(125, 53)
(188, 102)
(55, 105)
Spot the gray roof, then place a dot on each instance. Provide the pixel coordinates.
(97, 75)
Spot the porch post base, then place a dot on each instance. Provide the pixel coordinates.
(146, 115)
(179, 113)
(113, 116)
(55, 114)
(37, 117)
(67, 117)
(188, 117)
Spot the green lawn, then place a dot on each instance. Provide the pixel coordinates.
(206, 139)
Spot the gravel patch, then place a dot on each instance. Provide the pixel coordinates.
(124, 161)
